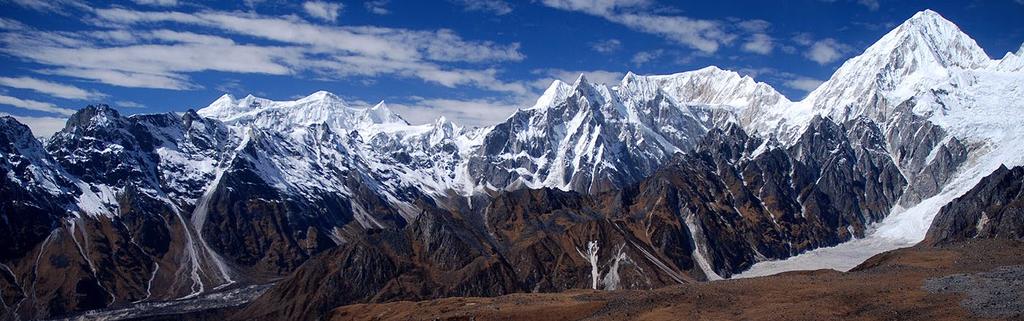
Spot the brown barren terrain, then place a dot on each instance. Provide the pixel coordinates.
(889, 286)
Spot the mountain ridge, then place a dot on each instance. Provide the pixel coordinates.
(696, 175)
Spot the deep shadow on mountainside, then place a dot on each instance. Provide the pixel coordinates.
(969, 267)
(974, 271)
(735, 200)
(651, 183)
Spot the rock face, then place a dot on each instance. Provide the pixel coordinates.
(732, 202)
(535, 241)
(992, 209)
(652, 181)
(152, 207)
(592, 138)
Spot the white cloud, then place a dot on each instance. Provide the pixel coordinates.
(128, 104)
(34, 105)
(327, 11)
(783, 78)
(803, 39)
(754, 26)
(50, 88)
(644, 57)
(172, 36)
(378, 7)
(125, 53)
(11, 24)
(130, 79)
(606, 46)
(159, 3)
(871, 4)
(498, 7)
(803, 83)
(61, 7)
(598, 7)
(759, 43)
(826, 51)
(703, 35)
(390, 43)
(369, 66)
(41, 126)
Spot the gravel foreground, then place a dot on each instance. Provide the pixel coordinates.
(977, 279)
(995, 294)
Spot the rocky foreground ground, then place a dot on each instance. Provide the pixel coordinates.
(975, 279)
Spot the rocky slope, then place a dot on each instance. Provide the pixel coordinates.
(992, 209)
(972, 280)
(649, 182)
(732, 202)
(968, 267)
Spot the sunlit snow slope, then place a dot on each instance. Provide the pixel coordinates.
(950, 82)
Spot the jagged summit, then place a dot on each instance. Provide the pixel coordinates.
(558, 90)
(321, 107)
(90, 116)
(707, 86)
(382, 114)
(916, 55)
(13, 134)
(581, 79)
(718, 172)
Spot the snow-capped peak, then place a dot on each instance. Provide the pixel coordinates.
(381, 114)
(441, 121)
(913, 57)
(942, 38)
(558, 90)
(16, 138)
(582, 79)
(227, 106)
(324, 99)
(320, 107)
(1011, 61)
(707, 86)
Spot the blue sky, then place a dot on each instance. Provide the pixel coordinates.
(473, 61)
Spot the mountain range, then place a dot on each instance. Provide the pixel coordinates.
(654, 181)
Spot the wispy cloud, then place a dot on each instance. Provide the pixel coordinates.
(786, 79)
(806, 84)
(61, 7)
(606, 46)
(128, 104)
(50, 88)
(159, 3)
(643, 57)
(43, 126)
(498, 7)
(327, 11)
(827, 50)
(872, 5)
(759, 43)
(378, 7)
(34, 105)
(127, 51)
(704, 35)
